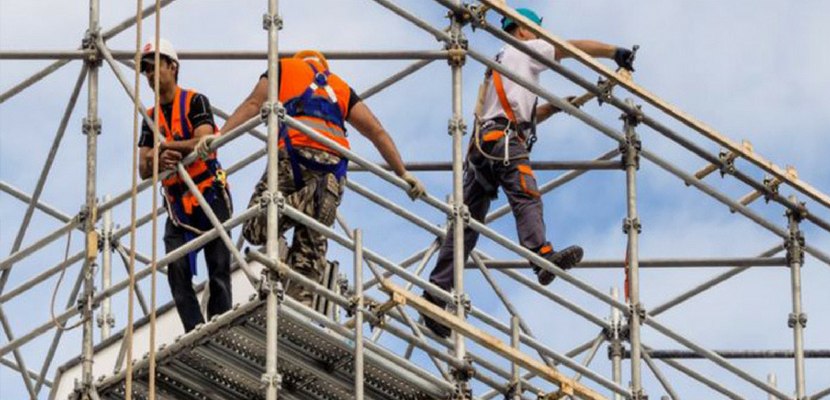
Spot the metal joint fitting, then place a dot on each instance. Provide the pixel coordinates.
(270, 380)
(456, 123)
(89, 126)
(639, 395)
(772, 186)
(632, 118)
(639, 310)
(615, 349)
(800, 319)
(477, 15)
(88, 43)
(463, 301)
(269, 20)
(605, 91)
(629, 223)
(343, 284)
(727, 163)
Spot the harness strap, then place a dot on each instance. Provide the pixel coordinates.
(497, 82)
(339, 170)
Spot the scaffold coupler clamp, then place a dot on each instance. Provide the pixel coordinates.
(269, 197)
(269, 20)
(462, 376)
(615, 349)
(456, 48)
(456, 124)
(271, 281)
(795, 242)
(91, 126)
(639, 310)
(477, 14)
(268, 108)
(606, 89)
(267, 380)
(90, 44)
(639, 394)
(727, 159)
(797, 319)
(460, 300)
(632, 223)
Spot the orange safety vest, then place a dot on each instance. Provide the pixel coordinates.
(203, 172)
(297, 77)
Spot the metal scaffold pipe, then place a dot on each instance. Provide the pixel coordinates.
(797, 319)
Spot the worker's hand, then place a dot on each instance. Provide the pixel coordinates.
(203, 147)
(168, 159)
(416, 188)
(624, 58)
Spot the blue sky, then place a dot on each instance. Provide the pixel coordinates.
(754, 71)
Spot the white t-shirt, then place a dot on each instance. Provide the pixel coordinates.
(520, 99)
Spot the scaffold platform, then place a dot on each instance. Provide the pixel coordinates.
(226, 360)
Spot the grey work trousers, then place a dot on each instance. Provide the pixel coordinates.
(482, 178)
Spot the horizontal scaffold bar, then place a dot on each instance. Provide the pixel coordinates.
(230, 55)
(652, 263)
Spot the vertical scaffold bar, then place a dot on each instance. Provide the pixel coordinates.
(515, 371)
(91, 128)
(106, 320)
(797, 320)
(772, 380)
(631, 226)
(615, 344)
(358, 326)
(272, 23)
(456, 129)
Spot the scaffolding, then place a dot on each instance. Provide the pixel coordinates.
(273, 347)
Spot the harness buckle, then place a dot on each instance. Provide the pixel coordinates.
(320, 79)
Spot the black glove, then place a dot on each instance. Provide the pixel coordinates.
(624, 58)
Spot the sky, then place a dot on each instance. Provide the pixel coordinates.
(754, 71)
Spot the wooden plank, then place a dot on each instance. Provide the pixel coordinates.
(567, 385)
(661, 104)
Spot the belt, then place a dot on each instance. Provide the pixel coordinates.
(178, 189)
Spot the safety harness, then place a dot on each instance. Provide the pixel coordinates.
(309, 104)
(205, 173)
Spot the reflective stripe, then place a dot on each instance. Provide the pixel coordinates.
(493, 135)
(524, 169)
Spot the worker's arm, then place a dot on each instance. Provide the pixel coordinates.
(367, 124)
(250, 107)
(546, 110)
(167, 160)
(622, 56)
(186, 146)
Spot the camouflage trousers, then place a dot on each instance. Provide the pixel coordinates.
(318, 198)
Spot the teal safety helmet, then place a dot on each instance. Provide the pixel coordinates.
(508, 23)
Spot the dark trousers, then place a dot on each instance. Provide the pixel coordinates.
(217, 258)
(482, 178)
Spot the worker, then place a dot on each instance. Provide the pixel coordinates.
(184, 120)
(311, 174)
(499, 154)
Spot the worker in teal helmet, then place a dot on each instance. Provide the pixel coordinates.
(499, 154)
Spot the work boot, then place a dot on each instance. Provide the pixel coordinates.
(565, 259)
(436, 327)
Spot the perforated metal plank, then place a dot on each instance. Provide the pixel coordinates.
(225, 360)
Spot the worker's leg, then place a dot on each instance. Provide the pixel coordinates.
(179, 277)
(522, 192)
(255, 229)
(477, 200)
(218, 260)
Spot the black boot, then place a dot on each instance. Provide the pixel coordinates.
(436, 327)
(565, 259)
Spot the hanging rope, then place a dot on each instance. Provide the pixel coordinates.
(57, 324)
(156, 144)
(128, 337)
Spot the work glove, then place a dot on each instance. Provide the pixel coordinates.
(202, 148)
(624, 58)
(416, 188)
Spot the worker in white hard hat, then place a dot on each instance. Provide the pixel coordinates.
(185, 119)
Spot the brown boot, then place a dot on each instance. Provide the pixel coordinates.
(565, 259)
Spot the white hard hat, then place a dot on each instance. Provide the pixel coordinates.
(165, 48)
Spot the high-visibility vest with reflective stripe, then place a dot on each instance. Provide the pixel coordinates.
(180, 128)
(297, 76)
